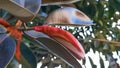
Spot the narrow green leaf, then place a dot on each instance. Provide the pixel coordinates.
(24, 63)
(100, 9)
(28, 56)
(84, 61)
(102, 63)
(92, 64)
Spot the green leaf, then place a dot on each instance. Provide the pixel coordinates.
(28, 56)
(112, 47)
(92, 64)
(24, 63)
(102, 63)
(13, 64)
(115, 4)
(111, 11)
(100, 9)
(84, 61)
(90, 10)
(54, 47)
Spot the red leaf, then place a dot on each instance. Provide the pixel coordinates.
(71, 47)
(60, 34)
(53, 46)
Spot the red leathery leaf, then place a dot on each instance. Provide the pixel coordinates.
(53, 46)
(72, 49)
(18, 53)
(57, 32)
(4, 22)
(13, 30)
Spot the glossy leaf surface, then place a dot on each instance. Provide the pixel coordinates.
(28, 56)
(54, 47)
(60, 34)
(11, 6)
(57, 2)
(7, 49)
(68, 16)
(33, 6)
(79, 55)
(102, 38)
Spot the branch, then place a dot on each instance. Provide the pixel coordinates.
(106, 41)
(26, 29)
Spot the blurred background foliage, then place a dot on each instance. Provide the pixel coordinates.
(102, 37)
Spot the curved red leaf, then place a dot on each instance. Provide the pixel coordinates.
(71, 47)
(57, 32)
(54, 47)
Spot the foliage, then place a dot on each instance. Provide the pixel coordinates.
(103, 36)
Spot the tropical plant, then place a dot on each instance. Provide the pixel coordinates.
(34, 33)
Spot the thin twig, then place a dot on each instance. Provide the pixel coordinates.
(26, 29)
(106, 41)
(24, 25)
(75, 25)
